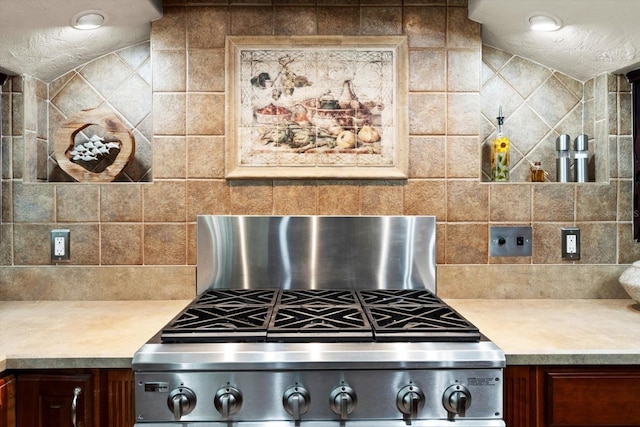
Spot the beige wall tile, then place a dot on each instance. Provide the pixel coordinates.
(427, 70)
(165, 244)
(205, 70)
(120, 244)
(425, 26)
(553, 202)
(251, 20)
(467, 201)
(169, 70)
(596, 202)
(628, 248)
(510, 203)
(427, 114)
(461, 31)
(462, 108)
(170, 31)
(381, 20)
(427, 157)
(192, 238)
(338, 197)
(207, 27)
(77, 203)
(547, 242)
(294, 21)
(31, 244)
(381, 198)
(295, 197)
(6, 249)
(169, 157)
(425, 197)
(210, 197)
(251, 197)
(467, 244)
(463, 154)
(205, 156)
(598, 242)
(169, 113)
(120, 203)
(206, 114)
(164, 201)
(463, 70)
(339, 20)
(33, 203)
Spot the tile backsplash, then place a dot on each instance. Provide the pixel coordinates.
(136, 240)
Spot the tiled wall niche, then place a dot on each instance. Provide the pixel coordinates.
(539, 104)
(138, 240)
(119, 81)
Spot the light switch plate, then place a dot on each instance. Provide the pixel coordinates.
(510, 241)
(60, 245)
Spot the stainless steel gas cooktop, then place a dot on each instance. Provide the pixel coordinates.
(318, 322)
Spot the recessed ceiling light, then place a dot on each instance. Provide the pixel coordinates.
(88, 20)
(544, 22)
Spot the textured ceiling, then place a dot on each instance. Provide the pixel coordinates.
(599, 36)
(36, 38)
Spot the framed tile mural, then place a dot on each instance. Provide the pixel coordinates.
(317, 107)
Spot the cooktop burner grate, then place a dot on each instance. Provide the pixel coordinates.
(245, 315)
(317, 297)
(237, 296)
(438, 323)
(323, 322)
(219, 323)
(398, 297)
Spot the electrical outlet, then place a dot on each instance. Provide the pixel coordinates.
(60, 245)
(570, 243)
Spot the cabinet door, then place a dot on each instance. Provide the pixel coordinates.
(8, 402)
(55, 400)
(592, 397)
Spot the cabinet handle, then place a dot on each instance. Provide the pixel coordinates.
(74, 406)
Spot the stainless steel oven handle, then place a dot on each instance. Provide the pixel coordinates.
(74, 406)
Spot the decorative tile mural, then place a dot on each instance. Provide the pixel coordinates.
(303, 108)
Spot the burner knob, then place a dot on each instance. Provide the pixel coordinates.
(343, 401)
(410, 401)
(456, 400)
(228, 401)
(296, 401)
(181, 401)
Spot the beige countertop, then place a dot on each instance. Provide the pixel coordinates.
(558, 331)
(106, 334)
(79, 334)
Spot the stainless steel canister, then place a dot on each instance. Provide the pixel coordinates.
(563, 161)
(581, 156)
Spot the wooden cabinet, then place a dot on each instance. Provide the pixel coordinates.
(92, 398)
(8, 401)
(572, 396)
(57, 399)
